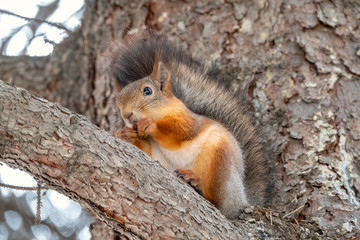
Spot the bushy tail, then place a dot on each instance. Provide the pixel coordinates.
(202, 91)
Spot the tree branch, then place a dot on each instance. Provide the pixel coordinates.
(58, 25)
(117, 182)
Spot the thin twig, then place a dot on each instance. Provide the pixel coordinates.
(58, 25)
(294, 211)
(20, 187)
(49, 41)
(38, 204)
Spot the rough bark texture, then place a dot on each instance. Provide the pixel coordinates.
(297, 61)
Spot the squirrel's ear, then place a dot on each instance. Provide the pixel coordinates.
(160, 74)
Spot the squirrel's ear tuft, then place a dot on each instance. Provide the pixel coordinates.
(118, 86)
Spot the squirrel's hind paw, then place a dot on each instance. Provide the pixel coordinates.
(190, 177)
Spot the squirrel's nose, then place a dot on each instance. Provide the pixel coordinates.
(130, 116)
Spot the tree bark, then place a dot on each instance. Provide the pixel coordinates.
(296, 61)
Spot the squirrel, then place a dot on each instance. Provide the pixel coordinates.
(181, 114)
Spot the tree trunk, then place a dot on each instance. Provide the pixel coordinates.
(298, 62)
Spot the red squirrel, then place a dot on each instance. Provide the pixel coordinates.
(198, 147)
(176, 112)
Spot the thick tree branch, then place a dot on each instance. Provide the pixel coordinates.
(117, 182)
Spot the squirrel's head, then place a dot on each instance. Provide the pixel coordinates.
(146, 97)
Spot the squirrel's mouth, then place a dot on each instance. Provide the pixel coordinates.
(131, 123)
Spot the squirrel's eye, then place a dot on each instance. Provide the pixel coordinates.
(147, 91)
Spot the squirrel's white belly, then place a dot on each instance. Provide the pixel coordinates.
(175, 159)
(182, 158)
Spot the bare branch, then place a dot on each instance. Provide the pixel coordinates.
(38, 204)
(21, 187)
(58, 25)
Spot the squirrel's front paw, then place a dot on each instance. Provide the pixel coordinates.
(127, 134)
(190, 177)
(145, 127)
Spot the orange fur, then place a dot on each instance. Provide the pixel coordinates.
(144, 145)
(173, 125)
(207, 166)
(172, 131)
